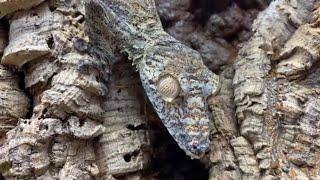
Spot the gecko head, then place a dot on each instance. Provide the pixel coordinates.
(180, 99)
(186, 96)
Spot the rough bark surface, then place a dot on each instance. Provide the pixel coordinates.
(48, 44)
(10, 6)
(125, 146)
(73, 107)
(277, 116)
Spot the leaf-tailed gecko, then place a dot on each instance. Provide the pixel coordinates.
(173, 75)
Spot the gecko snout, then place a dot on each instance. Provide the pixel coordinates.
(199, 149)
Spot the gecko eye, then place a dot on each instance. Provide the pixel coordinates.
(168, 87)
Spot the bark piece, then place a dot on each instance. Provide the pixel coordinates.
(269, 109)
(29, 36)
(73, 91)
(221, 158)
(245, 155)
(216, 52)
(22, 153)
(68, 91)
(39, 73)
(223, 108)
(301, 51)
(229, 22)
(10, 6)
(14, 104)
(173, 10)
(80, 163)
(125, 146)
(81, 130)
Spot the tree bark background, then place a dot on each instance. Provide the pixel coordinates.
(68, 110)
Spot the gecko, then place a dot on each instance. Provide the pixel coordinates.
(174, 77)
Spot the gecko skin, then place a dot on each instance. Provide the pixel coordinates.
(173, 75)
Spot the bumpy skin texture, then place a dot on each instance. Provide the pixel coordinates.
(137, 30)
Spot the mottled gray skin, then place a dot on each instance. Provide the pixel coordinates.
(137, 30)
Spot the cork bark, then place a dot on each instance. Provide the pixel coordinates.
(69, 109)
(47, 44)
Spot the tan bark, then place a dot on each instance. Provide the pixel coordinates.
(10, 6)
(49, 45)
(274, 112)
(86, 117)
(125, 146)
(70, 106)
(14, 104)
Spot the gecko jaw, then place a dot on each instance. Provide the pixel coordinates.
(198, 150)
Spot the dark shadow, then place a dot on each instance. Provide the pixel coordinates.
(203, 9)
(170, 162)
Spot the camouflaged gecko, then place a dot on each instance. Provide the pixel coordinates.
(173, 75)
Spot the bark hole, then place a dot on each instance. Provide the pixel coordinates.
(50, 42)
(44, 127)
(52, 8)
(129, 156)
(80, 17)
(34, 14)
(136, 128)
(22, 86)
